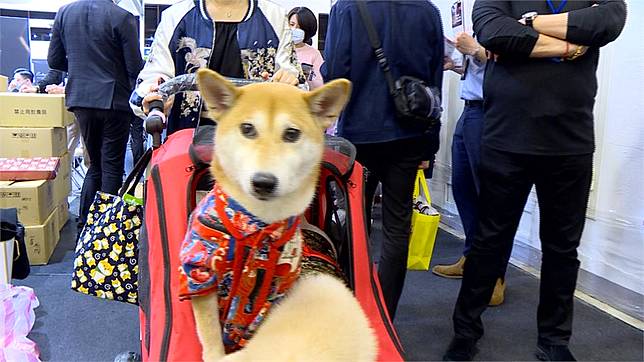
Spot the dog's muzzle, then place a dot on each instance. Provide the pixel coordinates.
(264, 185)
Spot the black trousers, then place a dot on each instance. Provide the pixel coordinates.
(562, 184)
(105, 133)
(137, 138)
(394, 164)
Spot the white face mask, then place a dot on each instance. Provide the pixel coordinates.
(297, 35)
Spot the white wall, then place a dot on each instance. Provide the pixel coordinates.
(612, 245)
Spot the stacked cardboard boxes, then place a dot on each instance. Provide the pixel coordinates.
(4, 82)
(33, 125)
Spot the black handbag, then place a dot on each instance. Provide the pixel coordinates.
(11, 228)
(417, 104)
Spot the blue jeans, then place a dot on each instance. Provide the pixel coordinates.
(466, 156)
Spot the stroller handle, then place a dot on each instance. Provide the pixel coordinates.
(155, 121)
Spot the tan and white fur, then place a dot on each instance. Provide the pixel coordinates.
(269, 143)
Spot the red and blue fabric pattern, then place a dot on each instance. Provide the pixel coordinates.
(248, 263)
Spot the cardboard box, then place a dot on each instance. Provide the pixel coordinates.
(62, 215)
(41, 240)
(28, 169)
(34, 110)
(33, 199)
(6, 260)
(62, 184)
(33, 142)
(4, 83)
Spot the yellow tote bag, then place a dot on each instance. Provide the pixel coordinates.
(423, 230)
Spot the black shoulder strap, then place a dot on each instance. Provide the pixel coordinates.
(376, 45)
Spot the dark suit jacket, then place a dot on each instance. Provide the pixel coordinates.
(96, 43)
(53, 77)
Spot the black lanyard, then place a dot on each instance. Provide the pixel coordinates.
(558, 9)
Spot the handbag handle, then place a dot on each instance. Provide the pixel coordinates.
(137, 172)
(420, 180)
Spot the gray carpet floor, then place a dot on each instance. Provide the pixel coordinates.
(74, 327)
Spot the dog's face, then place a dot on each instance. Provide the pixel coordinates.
(270, 138)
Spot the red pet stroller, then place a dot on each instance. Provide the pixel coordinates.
(179, 168)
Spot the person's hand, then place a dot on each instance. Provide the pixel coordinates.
(492, 56)
(28, 89)
(448, 63)
(12, 85)
(283, 76)
(153, 96)
(466, 44)
(424, 165)
(55, 89)
(576, 51)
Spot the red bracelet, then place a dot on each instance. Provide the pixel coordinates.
(567, 50)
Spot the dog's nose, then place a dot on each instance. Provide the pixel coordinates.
(264, 183)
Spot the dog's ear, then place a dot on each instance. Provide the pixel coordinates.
(218, 93)
(327, 102)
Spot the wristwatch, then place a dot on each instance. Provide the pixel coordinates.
(529, 17)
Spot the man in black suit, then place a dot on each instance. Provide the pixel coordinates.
(96, 42)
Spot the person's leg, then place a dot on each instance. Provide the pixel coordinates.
(506, 181)
(398, 177)
(368, 156)
(466, 145)
(472, 135)
(137, 138)
(73, 137)
(464, 186)
(563, 186)
(92, 133)
(115, 136)
(465, 196)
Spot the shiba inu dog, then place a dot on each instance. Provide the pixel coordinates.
(243, 248)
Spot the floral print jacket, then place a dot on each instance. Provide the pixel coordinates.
(183, 43)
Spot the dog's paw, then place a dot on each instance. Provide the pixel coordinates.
(238, 356)
(212, 355)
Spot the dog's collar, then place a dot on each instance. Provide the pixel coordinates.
(240, 223)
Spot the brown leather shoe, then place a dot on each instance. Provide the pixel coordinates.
(498, 296)
(453, 271)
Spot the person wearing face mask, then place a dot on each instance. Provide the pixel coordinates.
(304, 25)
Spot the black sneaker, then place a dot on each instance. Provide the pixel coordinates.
(461, 349)
(551, 352)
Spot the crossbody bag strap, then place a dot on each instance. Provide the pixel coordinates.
(377, 46)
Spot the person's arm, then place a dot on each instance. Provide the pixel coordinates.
(57, 56)
(598, 25)
(498, 32)
(438, 50)
(337, 46)
(285, 70)
(127, 33)
(554, 25)
(53, 77)
(550, 47)
(467, 45)
(158, 66)
(317, 80)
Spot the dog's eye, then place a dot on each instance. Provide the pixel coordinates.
(291, 135)
(248, 130)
